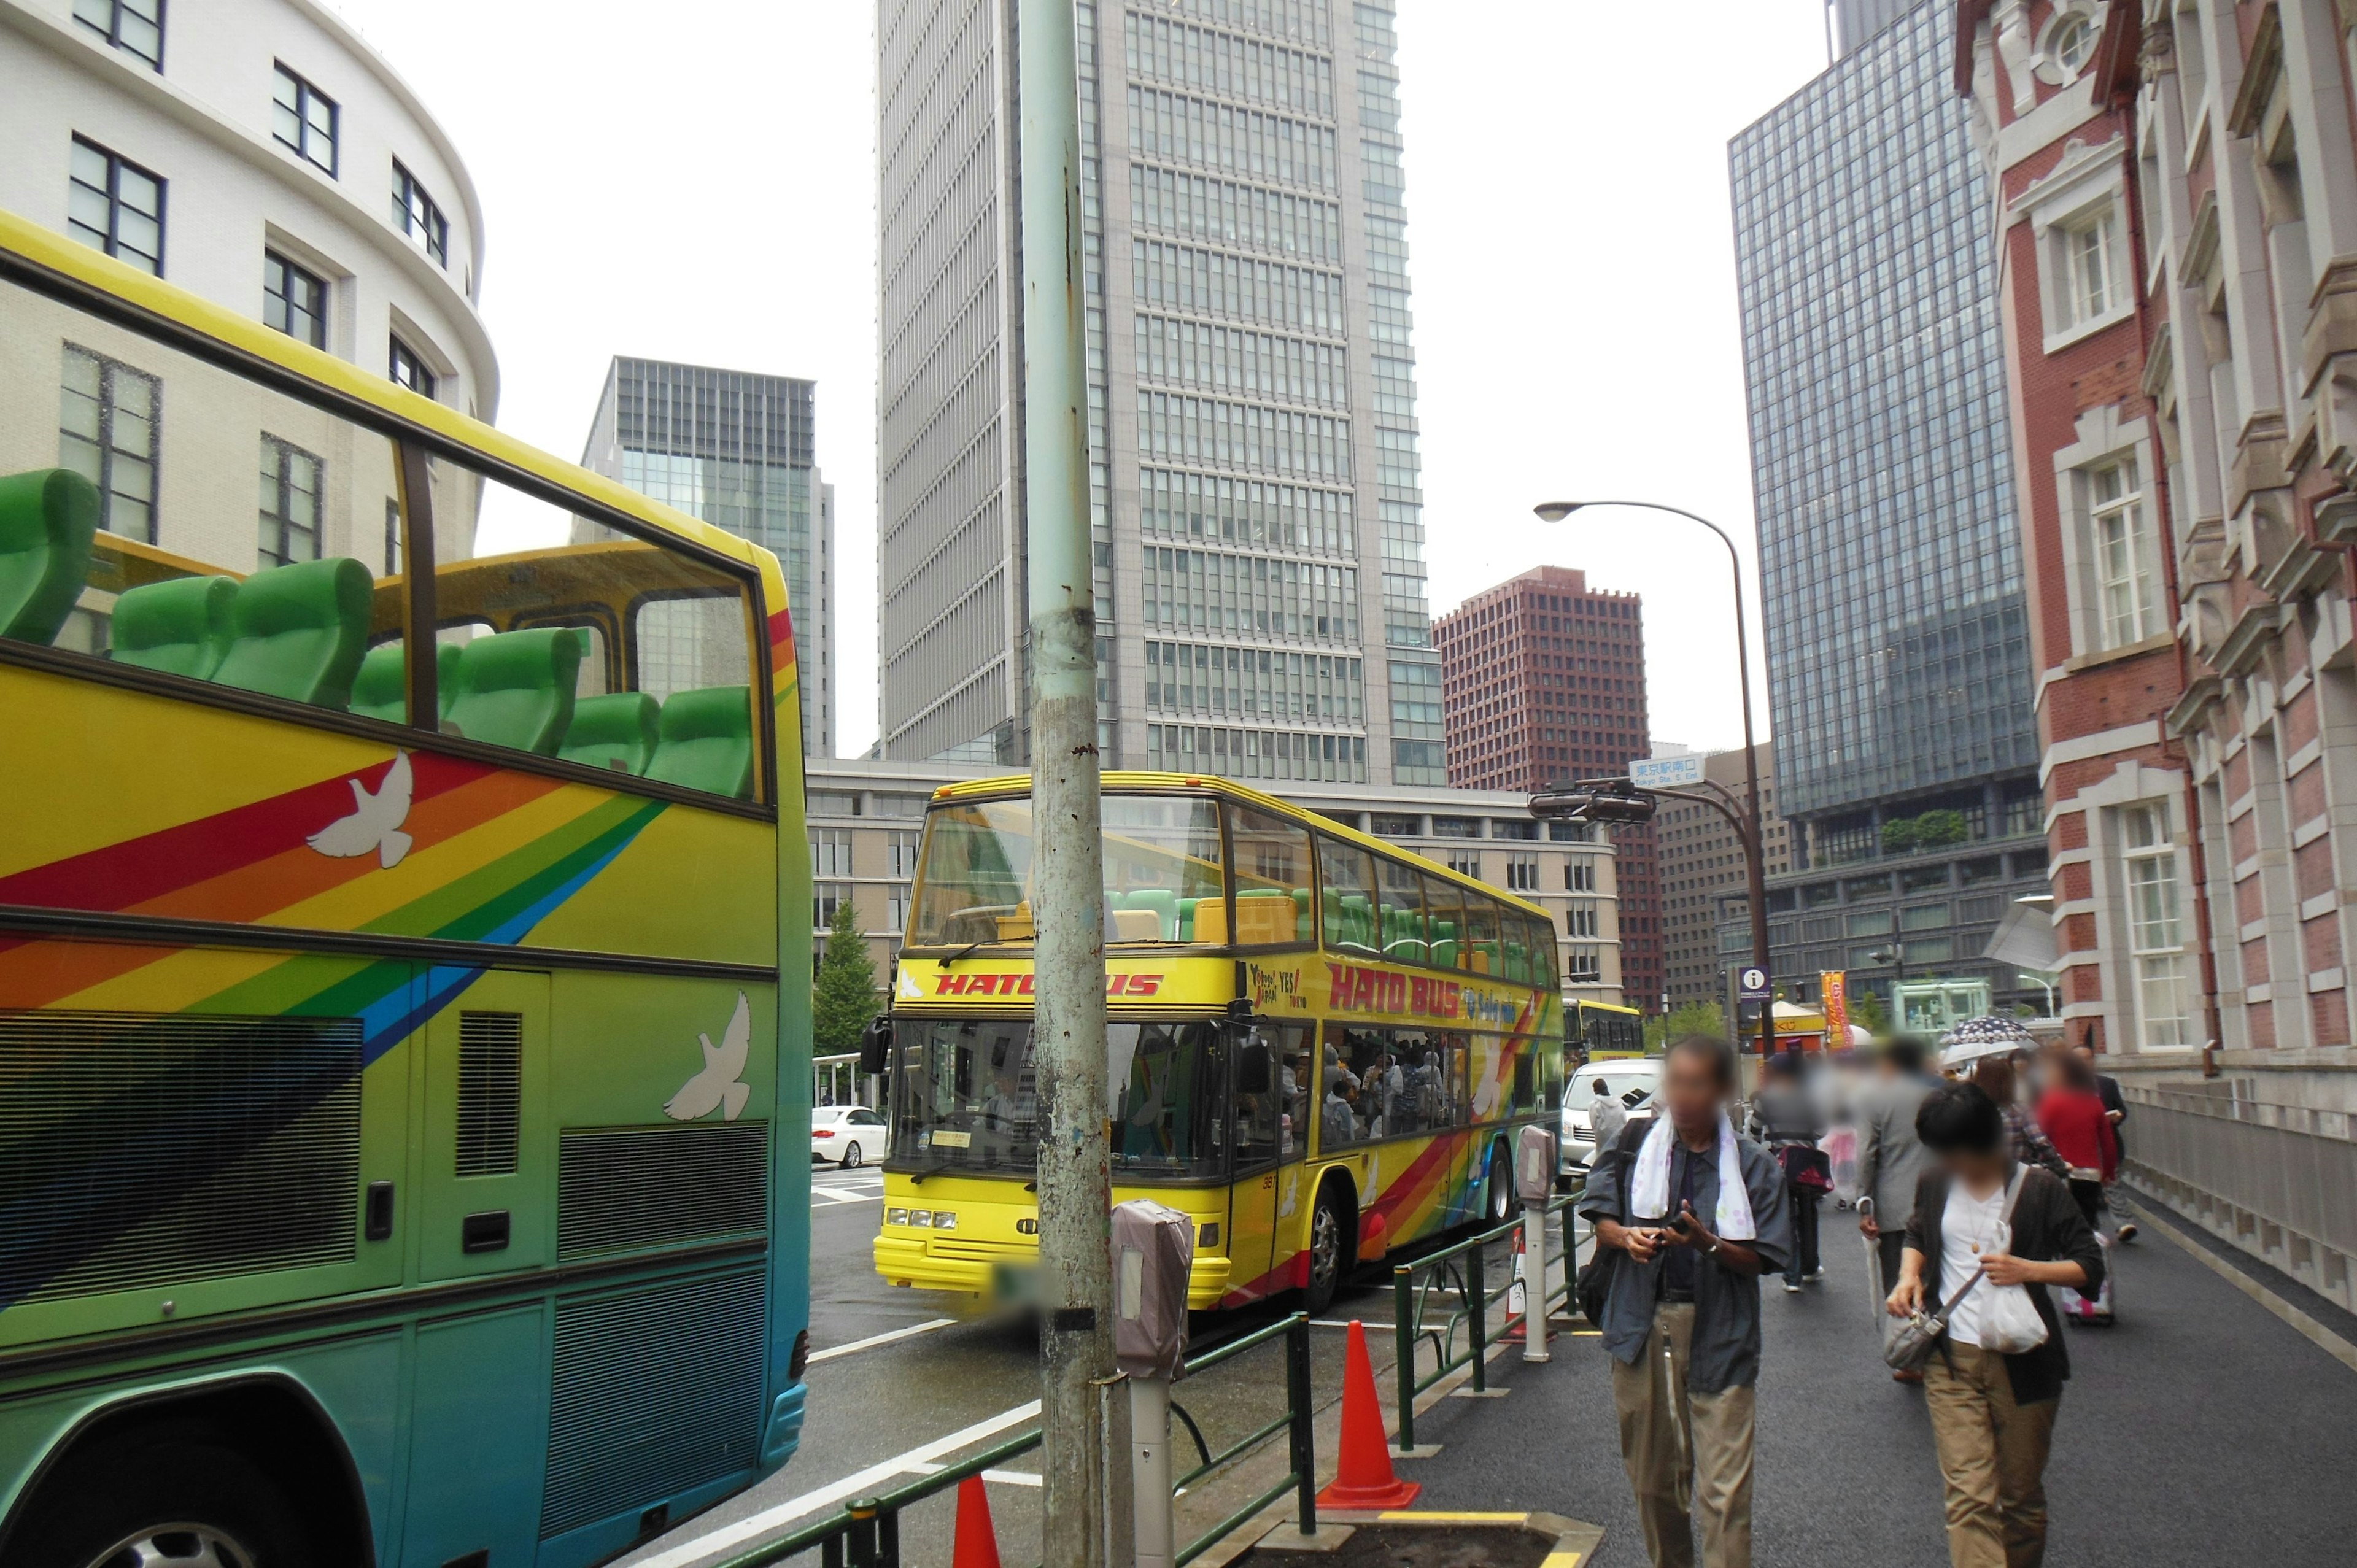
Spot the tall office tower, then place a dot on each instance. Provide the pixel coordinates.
(736, 451)
(1254, 485)
(1891, 564)
(1702, 862)
(1856, 21)
(1542, 678)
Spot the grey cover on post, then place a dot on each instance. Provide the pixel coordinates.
(1153, 1252)
(1534, 1160)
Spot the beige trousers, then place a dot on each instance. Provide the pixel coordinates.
(1685, 1449)
(1993, 1457)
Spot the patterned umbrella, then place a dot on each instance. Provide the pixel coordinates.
(1986, 1035)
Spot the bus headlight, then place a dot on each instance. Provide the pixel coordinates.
(896, 1217)
(944, 1220)
(921, 1218)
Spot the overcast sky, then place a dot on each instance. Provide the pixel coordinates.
(695, 181)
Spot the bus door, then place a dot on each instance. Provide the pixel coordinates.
(485, 1203)
(1267, 1145)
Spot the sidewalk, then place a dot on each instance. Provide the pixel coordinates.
(2203, 1429)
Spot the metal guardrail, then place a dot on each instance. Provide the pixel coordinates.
(867, 1533)
(1464, 1265)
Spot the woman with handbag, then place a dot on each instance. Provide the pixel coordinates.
(1787, 1118)
(1989, 1234)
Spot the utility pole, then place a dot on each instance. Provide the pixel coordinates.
(1075, 1282)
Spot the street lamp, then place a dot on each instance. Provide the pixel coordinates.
(1895, 955)
(1755, 862)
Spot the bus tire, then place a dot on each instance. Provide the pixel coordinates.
(176, 1492)
(1498, 1194)
(1332, 1246)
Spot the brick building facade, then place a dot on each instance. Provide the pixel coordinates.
(1543, 679)
(2178, 205)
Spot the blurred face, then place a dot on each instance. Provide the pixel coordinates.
(1690, 1085)
(1976, 1168)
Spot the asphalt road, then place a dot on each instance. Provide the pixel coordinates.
(902, 1379)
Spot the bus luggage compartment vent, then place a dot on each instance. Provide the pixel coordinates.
(623, 1187)
(656, 1390)
(141, 1149)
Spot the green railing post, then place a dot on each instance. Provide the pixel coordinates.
(1304, 1435)
(863, 1533)
(1403, 1346)
(887, 1538)
(1477, 1305)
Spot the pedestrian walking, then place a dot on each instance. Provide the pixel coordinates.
(2116, 1107)
(1693, 1215)
(1790, 1119)
(2029, 1140)
(1890, 1157)
(1983, 1222)
(1606, 1117)
(2072, 1113)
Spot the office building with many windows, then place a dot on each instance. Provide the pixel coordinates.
(1254, 479)
(739, 450)
(1542, 679)
(1891, 573)
(1702, 866)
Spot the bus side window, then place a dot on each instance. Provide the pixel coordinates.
(1347, 897)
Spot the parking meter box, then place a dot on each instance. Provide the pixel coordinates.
(1534, 1163)
(1153, 1252)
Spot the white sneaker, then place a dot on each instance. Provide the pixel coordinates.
(1790, 1286)
(1814, 1274)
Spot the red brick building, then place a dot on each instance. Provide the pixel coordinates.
(1543, 679)
(2178, 201)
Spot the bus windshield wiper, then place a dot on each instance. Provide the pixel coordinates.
(964, 953)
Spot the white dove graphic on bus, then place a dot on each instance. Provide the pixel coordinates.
(374, 824)
(721, 1085)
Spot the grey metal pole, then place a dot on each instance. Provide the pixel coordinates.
(1149, 1447)
(1067, 860)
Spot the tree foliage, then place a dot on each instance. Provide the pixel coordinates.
(1690, 1018)
(844, 998)
(1867, 1010)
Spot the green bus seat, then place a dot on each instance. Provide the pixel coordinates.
(1187, 918)
(515, 688)
(707, 741)
(1301, 922)
(378, 691)
(617, 733)
(47, 518)
(1163, 902)
(180, 627)
(300, 631)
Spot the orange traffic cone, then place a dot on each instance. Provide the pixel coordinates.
(977, 1542)
(1364, 1482)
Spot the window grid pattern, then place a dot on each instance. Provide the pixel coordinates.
(1212, 283)
(134, 27)
(303, 120)
(2094, 268)
(408, 368)
(1253, 682)
(292, 481)
(109, 421)
(2155, 925)
(415, 214)
(1257, 753)
(1237, 362)
(1188, 55)
(1245, 511)
(1890, 562)
(1246, 142)
(1206, 590)
(1214, 432)
(294, 300)
(2126, 556)
(1226, 212)
(114, 205)
(830, 851)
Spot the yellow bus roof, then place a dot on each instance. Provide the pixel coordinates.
(52, 252)
(1020, 784)
(1606, 1006)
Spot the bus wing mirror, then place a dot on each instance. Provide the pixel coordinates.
(1256, 1066)
(875, 1047)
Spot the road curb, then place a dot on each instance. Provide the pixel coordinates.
(2309, 1328)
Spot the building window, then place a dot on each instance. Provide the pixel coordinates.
(108, 418)
(1580, 920)
(896, 908)
(830, 851)
(303, 119)
(416, 215)
(1585, 967)
(1464, 862)
(134, 27)
(2156, 926)
(825, 896)
(900, 855)
(116, 206)
(1523, 873)
(2070, 42)
(1579, 875)
(290, 504)
(2090, 268)
(408, 368)
(2126, 555)
(293, 300)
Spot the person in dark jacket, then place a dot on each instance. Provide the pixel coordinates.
(1785, 1117)
(1992, 1414)
(2116, 1109)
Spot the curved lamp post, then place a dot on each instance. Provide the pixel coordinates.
(1755, 862)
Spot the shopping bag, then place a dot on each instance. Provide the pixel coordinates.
(2095, 1309)
(2009, 1321)
(1841, 1149)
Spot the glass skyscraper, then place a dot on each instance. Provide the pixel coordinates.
(1255, 484)
(1891, 561)
(736, 451)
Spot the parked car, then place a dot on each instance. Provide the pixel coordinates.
(1634, 1079)
(850, 1135)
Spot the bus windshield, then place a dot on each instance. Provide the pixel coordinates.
(967, 1100)
(1162, 861)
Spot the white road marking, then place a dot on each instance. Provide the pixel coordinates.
(873, 1340)
(720, 1538)
(1001, 1477)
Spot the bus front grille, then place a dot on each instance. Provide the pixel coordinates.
(145, 1149)
(655, 1390)
(618, 1189)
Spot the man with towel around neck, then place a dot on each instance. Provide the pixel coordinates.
(1697, 1214)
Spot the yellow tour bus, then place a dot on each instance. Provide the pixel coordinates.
(1322, 1045)
(404, 966)
(1605, 1029)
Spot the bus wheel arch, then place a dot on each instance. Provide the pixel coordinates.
(1333, 1242)
(1498, 1185)
(265, 1430)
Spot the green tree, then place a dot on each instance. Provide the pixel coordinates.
(845, 995)
(1867, 1010)
(1691, 1018)
(1935, 829)
(1899, 836)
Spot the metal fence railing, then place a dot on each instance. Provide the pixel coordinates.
(1458, 1276)
(865, 1534)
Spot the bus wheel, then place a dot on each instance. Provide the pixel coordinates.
(1329, 1248)
(1499, 1200)
(162, 1504)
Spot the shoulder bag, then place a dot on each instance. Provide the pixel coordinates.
(1594, 1283)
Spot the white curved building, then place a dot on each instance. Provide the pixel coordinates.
(260, 154)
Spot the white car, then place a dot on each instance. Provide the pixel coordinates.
(850, 1135)
(1635, 1079)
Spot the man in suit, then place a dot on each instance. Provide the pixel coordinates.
(1890, 1157)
